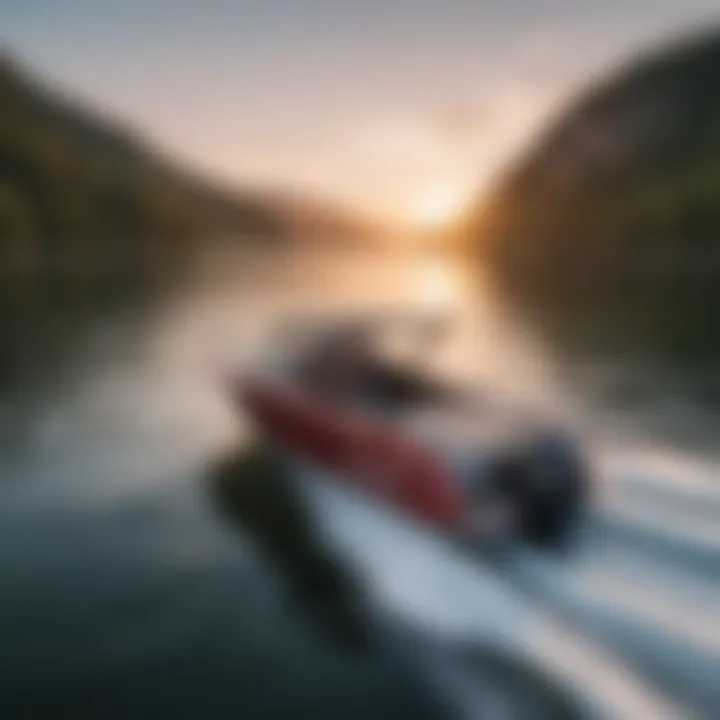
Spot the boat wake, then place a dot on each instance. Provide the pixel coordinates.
(636, 596)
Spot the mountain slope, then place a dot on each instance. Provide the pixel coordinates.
(74, 187)
(608, 234)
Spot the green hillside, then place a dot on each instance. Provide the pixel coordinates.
(76, 189)
(607, 235)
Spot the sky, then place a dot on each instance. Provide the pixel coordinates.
(405, 109)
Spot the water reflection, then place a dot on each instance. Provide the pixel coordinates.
(255, 494)
(124, 593)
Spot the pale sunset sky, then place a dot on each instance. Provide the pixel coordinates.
(403, 108)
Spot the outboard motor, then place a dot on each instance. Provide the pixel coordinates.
(555, 487)
(545, 481)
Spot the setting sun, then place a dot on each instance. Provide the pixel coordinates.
(437, 206)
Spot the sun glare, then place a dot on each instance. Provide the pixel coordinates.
(438, 206)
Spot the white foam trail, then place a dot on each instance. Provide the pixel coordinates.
(425, 579)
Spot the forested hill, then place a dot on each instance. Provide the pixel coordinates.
(607, 235)
(76, 187)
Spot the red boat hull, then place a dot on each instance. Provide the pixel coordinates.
(365, 452)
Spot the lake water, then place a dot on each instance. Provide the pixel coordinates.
(123, 593)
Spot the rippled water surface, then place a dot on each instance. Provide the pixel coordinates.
(124, 594)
